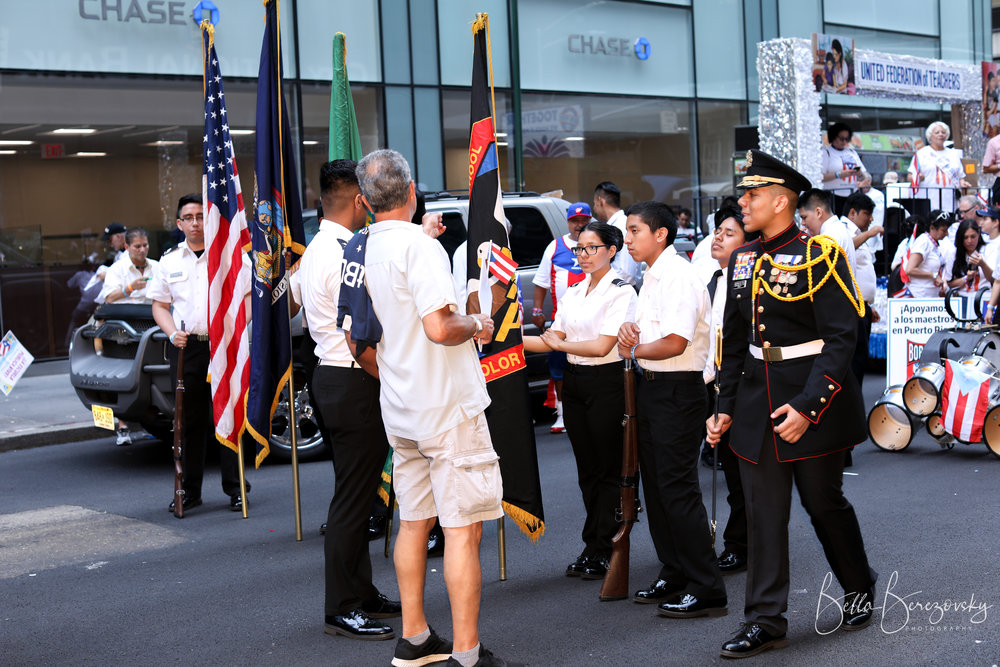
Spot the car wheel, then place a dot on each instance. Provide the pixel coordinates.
(309, 437)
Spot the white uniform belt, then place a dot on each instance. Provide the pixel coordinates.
(770, 354)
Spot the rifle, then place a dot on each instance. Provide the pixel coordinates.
(615, 586)
(178, 446)
(715, 448)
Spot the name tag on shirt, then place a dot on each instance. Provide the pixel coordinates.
(176, 276)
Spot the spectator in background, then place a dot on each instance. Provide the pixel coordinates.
(989, 224)
(704, 248)
(878, 199)
(608, 208)
(967, 271)
(937, 170)
(685, 230)
(967, 207)
(925, 263)
(128, 278)
(842, 167)
(90, 289)
(991, 165)
(859, 209)
(114, 234)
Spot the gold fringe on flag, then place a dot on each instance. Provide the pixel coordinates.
(530, 525)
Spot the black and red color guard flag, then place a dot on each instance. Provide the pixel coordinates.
(509, 414)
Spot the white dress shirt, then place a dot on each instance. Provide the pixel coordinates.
(182, 281)
(602, 312)
(674, 301)
(427, 388)
(718, 311)
(316, 287)
(123, 273)
(865, 274)
(840, 230)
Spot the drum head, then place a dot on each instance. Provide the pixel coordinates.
(991, 430)
(890, 427)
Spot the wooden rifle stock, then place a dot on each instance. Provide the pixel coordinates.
(615, 586)
(178, 446)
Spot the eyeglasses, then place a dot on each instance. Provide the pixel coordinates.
(963, 211)
(191, 218)
(588, 249)
(843, 137)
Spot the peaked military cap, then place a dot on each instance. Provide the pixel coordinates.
(764, 169)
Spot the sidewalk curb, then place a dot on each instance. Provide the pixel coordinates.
(55, 435)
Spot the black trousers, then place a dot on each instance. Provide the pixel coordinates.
(593, 407)
(860, 359)
(348, 399)
(734, 537)
(198, 426)
(768, 489)
(670, 418)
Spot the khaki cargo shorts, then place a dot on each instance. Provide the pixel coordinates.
(454, 476)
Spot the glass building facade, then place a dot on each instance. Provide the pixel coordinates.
(101, 104)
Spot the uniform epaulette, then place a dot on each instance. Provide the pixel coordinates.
(169, 251)
(620, 283)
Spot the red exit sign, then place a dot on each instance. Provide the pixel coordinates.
(50, 151)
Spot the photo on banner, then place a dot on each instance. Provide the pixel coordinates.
(991, 100)
(833, 64)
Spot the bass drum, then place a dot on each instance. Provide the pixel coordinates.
(991, 430)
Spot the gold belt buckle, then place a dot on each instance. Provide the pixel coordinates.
(772, 354)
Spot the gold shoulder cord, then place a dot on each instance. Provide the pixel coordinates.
(830, 251)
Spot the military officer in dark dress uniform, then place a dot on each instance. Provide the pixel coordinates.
(795, 407)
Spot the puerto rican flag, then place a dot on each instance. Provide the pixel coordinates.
(227, 240)
(965, 398)
(501, 266)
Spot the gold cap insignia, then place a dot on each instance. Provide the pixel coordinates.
(749, 158)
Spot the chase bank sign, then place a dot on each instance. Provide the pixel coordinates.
(612, 46)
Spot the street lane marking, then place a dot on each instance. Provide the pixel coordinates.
(51, 537)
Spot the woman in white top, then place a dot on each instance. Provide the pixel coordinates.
(937, 170)
(586, 329)
(842, 167)
(925, 265)
(969, 270)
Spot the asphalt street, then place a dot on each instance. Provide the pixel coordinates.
(94, 571)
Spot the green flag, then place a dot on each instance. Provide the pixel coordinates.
(344, 141)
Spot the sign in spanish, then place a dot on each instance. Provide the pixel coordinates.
(911, 323)
(14, 360)
(915, 77)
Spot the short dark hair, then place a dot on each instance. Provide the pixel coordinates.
(193, 198)
(134, 232)
(684, 211)
(858, 201)
(837, 128)
(836, 46)
(815, 198)
(336, 174)
(610, 193)
(609, 234)
(657, 215)
(736, 214)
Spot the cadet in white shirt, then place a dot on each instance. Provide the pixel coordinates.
(586, 329)
(608, 208)
(817, 218)
(729, 235)
(180, 297)
(859, 209)
(128, 278)
(669, 340)
(348, 399)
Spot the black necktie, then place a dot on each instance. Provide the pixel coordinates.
(712, 284)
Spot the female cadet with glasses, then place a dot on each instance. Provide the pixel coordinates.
(586, 328)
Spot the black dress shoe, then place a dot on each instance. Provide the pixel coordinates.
(751, 640)
(596, 568)
(689, 606)
(236, 503)
(322, 529)
(660, 590)
(376, 527)
(858, 610)
(576, 568)
(730, 563)
(189, 503)
(382, 607)
(357, 625)
(708, 458)
(435, 541)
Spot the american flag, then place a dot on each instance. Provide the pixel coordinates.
(227, 240)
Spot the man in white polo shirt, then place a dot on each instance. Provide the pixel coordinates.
(433, 396)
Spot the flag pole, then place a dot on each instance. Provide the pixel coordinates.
(501, 532)
(292, 418)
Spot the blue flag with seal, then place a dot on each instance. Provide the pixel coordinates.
(275, 229)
